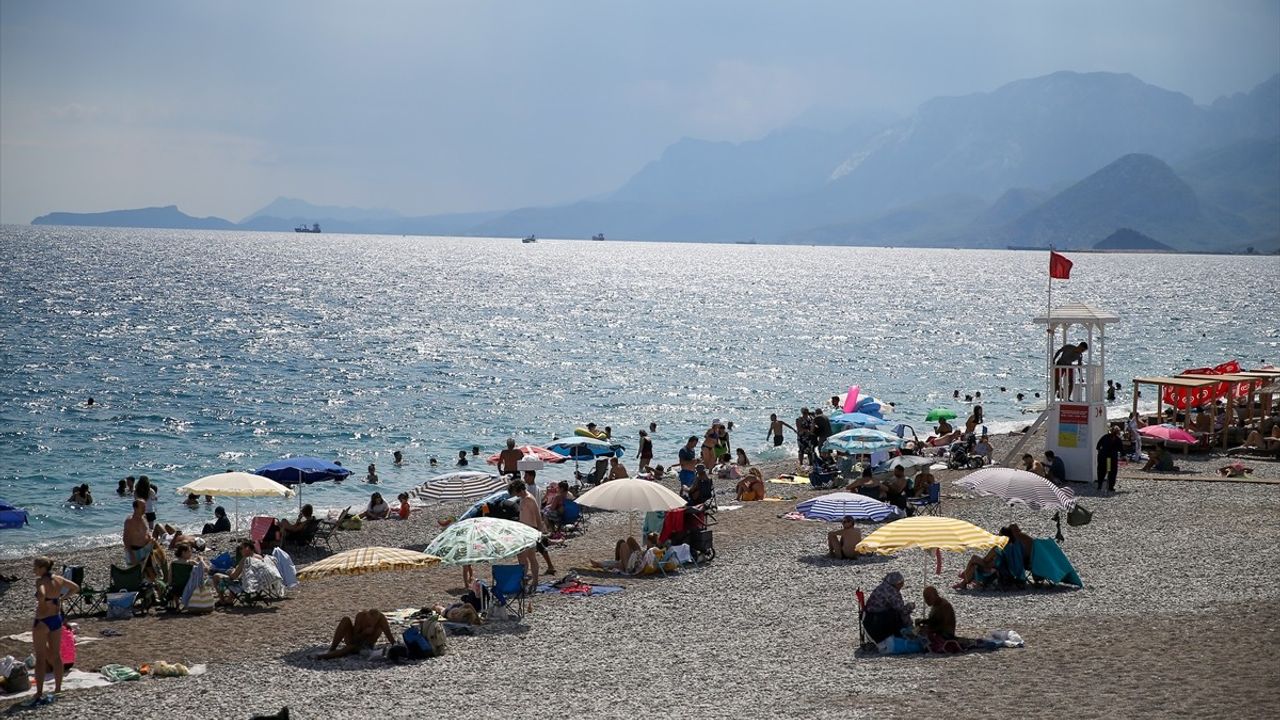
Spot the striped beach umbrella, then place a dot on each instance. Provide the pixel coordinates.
(837, 506)
(863, 440)
(929, 533)
(1018, 487)
(465, 485)
(366, 560)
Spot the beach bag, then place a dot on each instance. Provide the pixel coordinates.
(352, 523)
(202, 599)
(223, 562)
(416, 643)
(17, 680)
(120, 605)
(67, 647)
(1079, 515)
(433, 631)
(897, 645)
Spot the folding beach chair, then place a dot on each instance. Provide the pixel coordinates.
(864, 643)
(508, 590)
(85, 602)
(259, 532)
(131, 579)
(930, 504)
(572, 520)
(179, 576)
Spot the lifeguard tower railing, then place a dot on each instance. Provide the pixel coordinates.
(1078, 383)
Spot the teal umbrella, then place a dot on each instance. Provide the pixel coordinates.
(862, 441)
(940, 414)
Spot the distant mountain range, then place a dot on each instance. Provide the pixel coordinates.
(1064, 159)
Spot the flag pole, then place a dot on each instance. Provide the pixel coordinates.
(1051, 378)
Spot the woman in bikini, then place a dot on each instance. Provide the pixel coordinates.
(46, 633)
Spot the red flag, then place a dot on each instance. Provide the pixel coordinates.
(1059, 266)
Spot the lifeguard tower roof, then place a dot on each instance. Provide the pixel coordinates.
(1076, 314)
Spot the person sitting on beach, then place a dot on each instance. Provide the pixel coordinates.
(943, 428)
(553, 505)
(230, 585)
(617, 470)
(377, 509)
(981, 570)
(402, 512)
(627, 554)
(751, 487)
(1160, 460)
(192, 501)
(1028, 463)
(742, 459)
(220, 523)
(1057, 469)
(359, 635)
(290, 531)
(843, 543)
(921, 483)
(702, 488)
(823, 470)
(984, 450)
(137, 535)
(726, 470)
(886, 613)
(940, 623)
(657, 473)
(1235, 470)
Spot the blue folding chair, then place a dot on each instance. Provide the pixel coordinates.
(572, 522)
(930, 504)
(509, 590)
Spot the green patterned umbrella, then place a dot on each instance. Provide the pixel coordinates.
(482, 539)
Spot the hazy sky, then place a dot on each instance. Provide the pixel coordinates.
(430, 107)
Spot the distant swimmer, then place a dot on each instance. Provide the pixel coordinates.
(462, 458)
(372, 477)
(1020, 397)
(433, 461)
(89, 402)
(653, 427)
(397, 457)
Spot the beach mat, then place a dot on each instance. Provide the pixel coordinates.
(1184, 477)
(790, 480)
(595, 590)
(25, 637)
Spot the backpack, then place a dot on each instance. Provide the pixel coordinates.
(425, 639)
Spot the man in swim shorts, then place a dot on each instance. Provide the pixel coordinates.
(688, 461)
(137, 535)
(775, 429)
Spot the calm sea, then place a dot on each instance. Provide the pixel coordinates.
(213, 350)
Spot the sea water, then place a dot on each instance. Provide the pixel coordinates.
(208, 351)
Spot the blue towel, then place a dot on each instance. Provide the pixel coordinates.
(1049, 563)
(653, 521)
(223, 562)
(1013, 562)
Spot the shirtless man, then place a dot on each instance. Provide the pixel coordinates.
(509, 459)
(617, 470)
(137, 535)
(688, 461)
(359, 634)
(775, 429)
(843, 543)
(531, 516)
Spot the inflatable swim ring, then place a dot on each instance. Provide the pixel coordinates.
(583, 432)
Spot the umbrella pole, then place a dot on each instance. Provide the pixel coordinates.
(938, 554)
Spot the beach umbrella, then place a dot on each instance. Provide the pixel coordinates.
(302, 471)
(11, 516)
(541, 453)
(463, 485)
(930, 533)
(631, 495)
(863, 441)
(235, 485)
(585, 448)
(940, 414)
(1169, 433)
(857, 420)
(907, 463)
(482, 539)
(1018, 487)
(366, 560)
(837, 506)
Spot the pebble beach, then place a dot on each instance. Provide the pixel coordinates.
(1178, 576)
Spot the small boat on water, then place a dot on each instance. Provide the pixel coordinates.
(598, 237)
(315, 228)
(529, 239)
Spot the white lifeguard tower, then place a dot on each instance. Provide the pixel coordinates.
(1076, 406)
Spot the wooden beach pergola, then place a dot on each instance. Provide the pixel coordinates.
(1187, 385)
(1263, 382)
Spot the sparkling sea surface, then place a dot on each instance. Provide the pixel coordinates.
(206, 351)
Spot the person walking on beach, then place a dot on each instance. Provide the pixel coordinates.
(645, 455)
(531, 516)
(821, 428)
(775, 429)
(688, 461)
(804, 437)
(509, 459)
(1109, 448)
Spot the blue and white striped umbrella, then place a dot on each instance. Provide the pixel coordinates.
(463, 485)
(837, 506)
(863, 440)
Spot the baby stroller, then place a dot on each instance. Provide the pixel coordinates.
(960, 456)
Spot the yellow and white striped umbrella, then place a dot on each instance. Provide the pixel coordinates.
(366, 560)
(929, 533)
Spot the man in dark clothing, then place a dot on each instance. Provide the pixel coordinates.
(941, 621)
(821, 428)
(1109, 448)
(1067, 355)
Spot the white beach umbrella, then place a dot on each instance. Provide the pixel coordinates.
(1018, 487)
(631, 495)
(235, 485)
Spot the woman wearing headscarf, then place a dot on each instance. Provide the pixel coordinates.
(886, 612)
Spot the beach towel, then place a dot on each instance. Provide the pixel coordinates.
(653, 522)
(672, 524)
(681, 553)
(580, 589)
(284, 564)
(25, 637)
(71, 680)
(261, 576)
(1013, 562)
(1048, 562)
(790, 480)
(193, 582)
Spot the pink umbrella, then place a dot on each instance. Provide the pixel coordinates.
(541, 453)
(1169, 433)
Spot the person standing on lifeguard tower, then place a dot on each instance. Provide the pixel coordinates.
(1067, 355)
